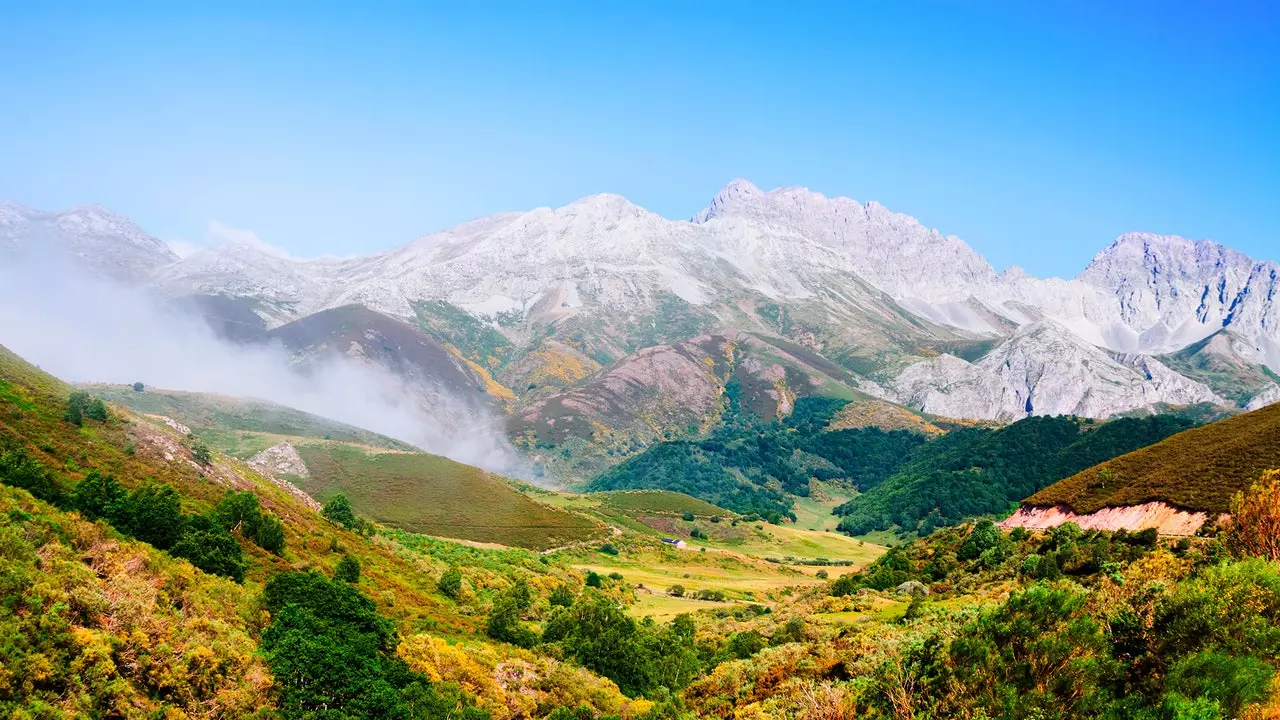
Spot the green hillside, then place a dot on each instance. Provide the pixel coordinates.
(905, 480)
(434, 495)
(239, 426)
(1199, 469)
(752, 467)
(980, 471)
(137, 614)
(661, 502)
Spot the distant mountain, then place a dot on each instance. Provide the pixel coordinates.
(536, 312)
(1044, 369)
(107, 243)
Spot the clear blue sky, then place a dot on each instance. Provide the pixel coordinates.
(1037, 131)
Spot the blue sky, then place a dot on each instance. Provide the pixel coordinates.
(1036, 131)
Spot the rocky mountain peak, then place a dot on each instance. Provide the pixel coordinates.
(737, 193)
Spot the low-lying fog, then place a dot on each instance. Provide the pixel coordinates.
(85, 329)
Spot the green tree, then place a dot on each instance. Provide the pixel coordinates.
(96, 410)
(450, 583)
(100, 497)
(239, 512)
(153, 513)
(200, 452)
(985, 536)
(505, 622)
(348, 570)
(213, 551)
(601, 637)
(339, 510)
(139, 387)
(270, 535)
(743, 645)
(17, 469)
(75, 411)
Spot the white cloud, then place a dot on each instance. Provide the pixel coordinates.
(222, 233)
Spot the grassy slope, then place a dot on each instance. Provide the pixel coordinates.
(1227, 374)
(222, 420)
(734, 561)
(660, 502)
(31, 406)
(1199, 469)
(437, 496)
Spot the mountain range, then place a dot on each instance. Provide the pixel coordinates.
(600, 327)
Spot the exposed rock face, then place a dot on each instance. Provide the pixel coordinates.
(1166, 519)
(1174, 291)
(1269, 396)
(1043, 370)
(182, 429)
(594, 283)
(282, 459)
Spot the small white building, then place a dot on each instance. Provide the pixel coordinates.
(676, 543)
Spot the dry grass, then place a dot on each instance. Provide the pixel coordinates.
(1198, 469)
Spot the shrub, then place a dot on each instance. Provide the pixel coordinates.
(562, 596)
(200, 452)
(608, 549)
(348, 570)
(139, 387)
(1255, 519)
(593, 579)
(1231, 681)
(450, 583)
(688, 516)
(822, 575)
(338, 510)
(213, 551)
(676, 590)
(96, 410)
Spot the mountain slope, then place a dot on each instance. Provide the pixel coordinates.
(90, 236)
(220, 419)
(1226, 363)
(540, 303)
(1199, 469)
(979, 471)
(434, 495)
(1043, 369)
